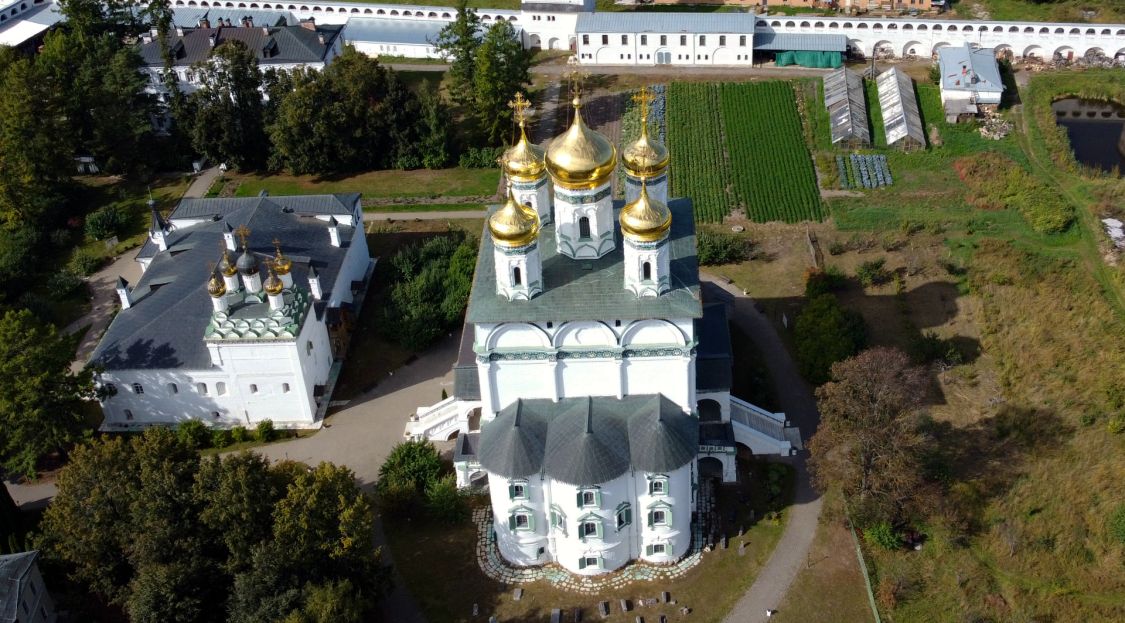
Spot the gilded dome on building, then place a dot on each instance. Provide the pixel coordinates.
(645, 219)
(513, 225)
(226, 266)
(524, 161)
(215, 286)
(273, 285)
(581, 158)
(645, 157)
(281, 264)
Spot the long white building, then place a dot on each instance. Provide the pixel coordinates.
(240, 315)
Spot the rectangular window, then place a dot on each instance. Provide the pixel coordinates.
(605, 39)
(624, 516)
(589, 561)
(128, 414)
(558, 519)
(137, 389)
(656, 548)
(683, 39)
(585, 39)
(201, 388)
(659, 518)
(702, 39)
(253, 388)
(722, 39)
(221, 388)
(522, 521)
(517, 491)
(172, 388)
(624, 39)
(285, 388)
(663, 39)
(657, 487)
(742, 41)
(644, 39)
(589, 528)
(588, 497)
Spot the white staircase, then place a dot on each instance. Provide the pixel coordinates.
(438, 422)
(762, 431)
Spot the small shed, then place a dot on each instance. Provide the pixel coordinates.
(970, 81)
(847, 108)
(902, 121)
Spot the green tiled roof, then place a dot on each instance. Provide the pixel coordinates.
(592, 289)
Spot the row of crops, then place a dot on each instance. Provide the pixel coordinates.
(740, 145)
(695, 139)
(864, 171)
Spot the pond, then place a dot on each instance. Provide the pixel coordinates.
(1096, 131)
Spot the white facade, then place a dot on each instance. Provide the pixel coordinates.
(656, 187)
(519, 271)
(584, 221)
(666, 48)
(537, 194)
(648, 269)
(595, 529)
(509, 376)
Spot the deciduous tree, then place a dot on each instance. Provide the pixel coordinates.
(41, 399)
(228, 123)
(868, 443)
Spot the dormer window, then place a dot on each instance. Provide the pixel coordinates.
(658, 485)
(589, 498)
(517, 490)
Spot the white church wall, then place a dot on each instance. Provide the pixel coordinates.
(676, 500)
(523, 545)
(612, 547)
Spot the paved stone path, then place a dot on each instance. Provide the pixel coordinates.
(202, 182)
(768, 590)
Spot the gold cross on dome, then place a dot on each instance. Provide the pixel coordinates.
(643, 98)
(519, 107)
(576, 77)
(243, 232)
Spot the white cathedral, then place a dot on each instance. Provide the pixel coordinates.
(601, 380)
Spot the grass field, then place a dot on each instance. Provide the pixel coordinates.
(387, 184)
(764, 168)
(1106, 11)
(425, 207)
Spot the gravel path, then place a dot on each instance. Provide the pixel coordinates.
(768, 590)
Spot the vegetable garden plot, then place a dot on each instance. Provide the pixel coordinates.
(741, 145)
(864, 171)
(699, 167)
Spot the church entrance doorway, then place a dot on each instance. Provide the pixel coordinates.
(710, 467)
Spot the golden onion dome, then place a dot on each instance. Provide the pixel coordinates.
(513, 225)
(645, 219)
(281, 264)
(273, 285)
(646, 157)
(524, 161)
(225, 265)
(581, 158)
(216, 287)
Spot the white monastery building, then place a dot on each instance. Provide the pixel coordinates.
(241, 314)
(970, 81)
(593, 385)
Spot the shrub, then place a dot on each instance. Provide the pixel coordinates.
(194, 433)
(220, 438)
(264, 431)
(836, 248)
(406, 476)
(883, 535)
(926, 347)
(1117, 524)
(106, 222)
(997, 182)
(819, 282)
(444, 502)
(85, 262)
(873, 272)
(480, 157)
(63, 283)
(716, 249)
(1117, 424)
(825, 333)
(239, 434)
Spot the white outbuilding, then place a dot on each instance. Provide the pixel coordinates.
(970, 81)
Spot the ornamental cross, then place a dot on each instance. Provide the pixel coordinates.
(243, 232)
(277, 245)
(519, 107)
(576, 77)
(643, 97)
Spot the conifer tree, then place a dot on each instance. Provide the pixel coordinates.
(458, 42)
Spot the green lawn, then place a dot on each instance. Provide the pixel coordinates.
(425, 207)
(388, 184)
(1108, 11)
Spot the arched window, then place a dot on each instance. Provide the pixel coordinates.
(173, 389)
(201, 388)
(517, 278)
(646, 272)
(584, 227)
(285, 388)
(253, 388)
(221, 388)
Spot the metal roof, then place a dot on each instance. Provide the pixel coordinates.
(847, 106)
(592, 289)
(965, 68)
(171, 309)
(588, 441)
(391, 30)
(901, 119)
(658, 22)
(792, 42)
(18, 29)
(713, 355)
(188, 17)
(286, 44)
(14, 570)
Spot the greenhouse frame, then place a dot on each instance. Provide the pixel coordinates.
(899, 105)
(847, 108)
